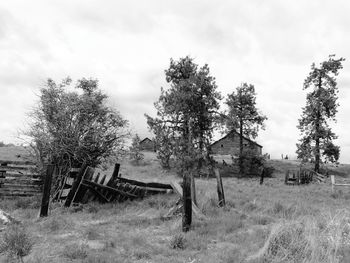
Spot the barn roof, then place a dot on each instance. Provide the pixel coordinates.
(233, 131)
(145, 139)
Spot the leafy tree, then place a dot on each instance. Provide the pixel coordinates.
(2, 144)
(69, 128)
(188, 109)
(164, 141)
(320, 110)
(243, 115)
(135, 150)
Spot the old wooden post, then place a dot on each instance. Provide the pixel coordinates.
(46, 191)
(187, 202)
(220, 188)
(193, 189)
(75, 185)
(262, 176)
(286, 177)
(116, 170)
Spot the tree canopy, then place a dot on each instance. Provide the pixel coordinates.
(188, 108)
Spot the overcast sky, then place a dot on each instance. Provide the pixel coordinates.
(127, 45)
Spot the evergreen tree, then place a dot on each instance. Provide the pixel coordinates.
(189, 110)
(244, 116)
(320, 110)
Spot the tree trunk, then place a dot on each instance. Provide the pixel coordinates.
(240, 160)
(317, 129)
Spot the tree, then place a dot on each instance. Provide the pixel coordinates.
(189, 110)
(164, 141)
(69, 128)
(135, 150)
(319, 112)
(243, 115)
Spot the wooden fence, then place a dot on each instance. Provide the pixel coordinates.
(18, 178)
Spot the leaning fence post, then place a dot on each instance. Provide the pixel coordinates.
(116, 170)
(46, 191)
(187, 202)
(75, 186)
(220, 188)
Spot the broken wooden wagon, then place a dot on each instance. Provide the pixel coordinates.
(92, 184)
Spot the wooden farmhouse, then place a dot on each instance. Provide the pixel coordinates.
(147, 145)
(229, 144)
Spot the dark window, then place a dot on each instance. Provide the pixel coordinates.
(222, 145)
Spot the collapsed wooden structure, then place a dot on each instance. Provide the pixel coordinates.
(92, 184)
(303, 176)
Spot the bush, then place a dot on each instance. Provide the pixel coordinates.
(16, 242)
(69, 128)
(135, 150)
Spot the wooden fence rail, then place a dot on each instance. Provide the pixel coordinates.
(19, 179)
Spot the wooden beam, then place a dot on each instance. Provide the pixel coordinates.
(86, 182)
(187, 202)
(116, 170)
(46, 192)
(220, 188)
(75, 186)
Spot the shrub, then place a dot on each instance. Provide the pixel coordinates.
(135, 150)
(178, 241)
(16, 242)
(69, 128)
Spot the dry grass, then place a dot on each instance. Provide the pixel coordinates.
(260, 223)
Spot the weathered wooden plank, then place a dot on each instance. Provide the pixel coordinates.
(187, 203)
(151, 184)
(220, 188)
(178, 189)
(85, 182)
(46, 192)
(75, 186)
(2, 162)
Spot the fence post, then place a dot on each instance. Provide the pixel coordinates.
(333, 182)
(193, 189)
(45, 202)
(187, 202)
(286, 177)
(116, 170)
(262, 176)
(220, 188)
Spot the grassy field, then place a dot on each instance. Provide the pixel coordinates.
(260, 223)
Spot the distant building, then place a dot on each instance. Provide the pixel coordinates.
(147, 145)
(229, 144)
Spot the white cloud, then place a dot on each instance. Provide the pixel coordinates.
(128, 44)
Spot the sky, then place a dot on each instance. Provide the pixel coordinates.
(127, 45)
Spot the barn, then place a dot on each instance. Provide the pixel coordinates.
(147, 145)
(229, 144)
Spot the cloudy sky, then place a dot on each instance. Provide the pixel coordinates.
(127, 45)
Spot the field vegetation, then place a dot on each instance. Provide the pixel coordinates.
(260, 223)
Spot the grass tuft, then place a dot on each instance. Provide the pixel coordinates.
(178, 241)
